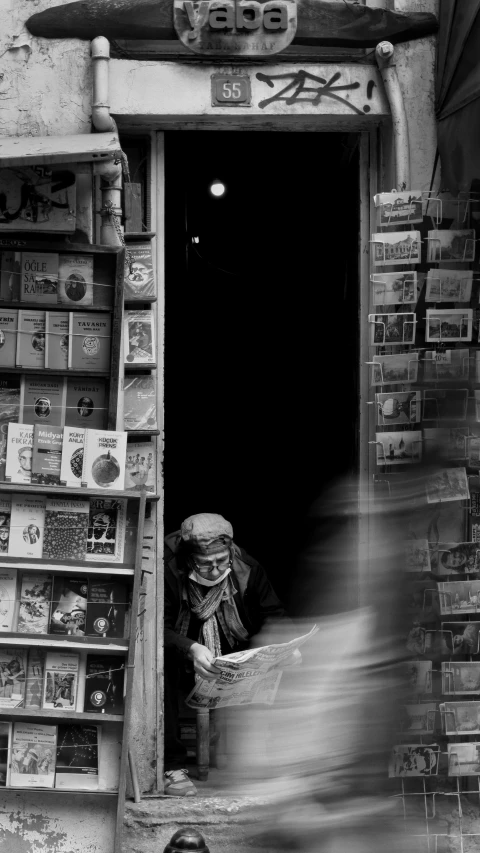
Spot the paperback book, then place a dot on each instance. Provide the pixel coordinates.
(47, 455)
(140, 403)
(10, 273)
(107, 602)
(27, 524)
(77, 757)
(104, 684)
(9, 413)
(139, 281)
(75, 280)
(56, 340)
(104, 459)
(8, 337)
(140, 468)
(35, 598)
(5, 749)
(39, 277)
(86, 403)
(13, 670)
(69, 606)
(42, 400)
(35, 674)
(139, 337)
(89, 341)
(66, 529)
(72, 457)
(33, 755)
(106, 530)
(60, 681)
(31, 339)
(8, 597)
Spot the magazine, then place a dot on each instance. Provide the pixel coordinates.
(33, 755)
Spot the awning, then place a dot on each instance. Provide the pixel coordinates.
(41, 150)
(458, 93)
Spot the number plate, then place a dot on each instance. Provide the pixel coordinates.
(231, 90)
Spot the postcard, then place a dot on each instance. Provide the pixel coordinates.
(396, 448)
(448, 484)
(454, 246)
(394, 288)
(445, 442)
(392, 329)
(418, 719)
(418, 676)
(396, 247)
(414, 760)
(473, 445)
(449, 285)
(416, 640)
(435, 522)
(461, 717)
(477, 403)
(399, 208)
(420, 599)
(445, 404)
(446, 364)
(459, 638)
(402, 407)
(477, 365)
(417, 555)
(395, 369)
(449, 324)
(463, 759)
(457, 558)
(459, 597)
(462, 677)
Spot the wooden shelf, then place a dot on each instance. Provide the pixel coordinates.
(12, 714)
(54, 306)
(83, 567)
(144, 433)
(134, 368)
(26, 489)
(60, 791)
(114, 645)
(46, 371)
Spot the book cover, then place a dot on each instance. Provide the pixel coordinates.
(35, 673)
(38, 198)
(89, 341)
(66, 529)
(35, 598)
(31, 339)
(8, 596)
(69, 606)
(107, 602)
(33, 755)
(27, 523)
(8, 337)
(39, 277)
(47, 455)
(104, 459)
(104, 684)
(60, 681)
(5, 749)
(72, 457)
(139, 337)
(56, 340)
(77, 757)
(10, 276)
(86, 403)
(139, 279)
(140, 403)
(43, 400)
(75, 280)
(18, 463)
(106, 530)
(13, 670)
(140, 467)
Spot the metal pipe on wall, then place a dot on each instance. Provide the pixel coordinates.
(384, 54)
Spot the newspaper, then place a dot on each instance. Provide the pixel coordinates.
(246, 678)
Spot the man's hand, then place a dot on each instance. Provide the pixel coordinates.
(203, 662)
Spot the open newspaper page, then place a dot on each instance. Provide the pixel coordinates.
(246, 678)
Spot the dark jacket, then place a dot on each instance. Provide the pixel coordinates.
(255, 598)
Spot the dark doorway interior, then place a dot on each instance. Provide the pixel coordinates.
(261, 331)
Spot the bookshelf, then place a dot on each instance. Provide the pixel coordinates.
(113, 726)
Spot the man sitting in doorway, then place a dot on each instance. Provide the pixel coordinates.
(217, 598)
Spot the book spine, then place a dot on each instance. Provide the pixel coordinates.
(84, 482)
(82, 673)
(19, 337)
(70, 340)
(22, 399)
(35, 676)
(47, 336)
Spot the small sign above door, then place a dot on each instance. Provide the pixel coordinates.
(235, 27)
(231, 90)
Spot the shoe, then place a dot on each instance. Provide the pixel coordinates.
(177, 784)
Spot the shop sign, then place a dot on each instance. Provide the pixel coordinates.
(235, 27)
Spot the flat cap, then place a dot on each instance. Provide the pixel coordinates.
(206, 532)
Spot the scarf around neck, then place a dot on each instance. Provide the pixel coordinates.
(216, 608)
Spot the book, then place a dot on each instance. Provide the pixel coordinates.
(89, 341)
(66, 529)
(39, 277)
(72, 457)
(140, 466)
(77, 757)
(11, 262)
(104, 459)
(106, 530)
(42, 400)
(69, 606)
(33, 755)
(8, 597)
(86, 404)
(30, 338)
(139, 279)
(47, 455)
(18, 464)
(60, 681)
(34, 610)
(5, 748)
(107, 602)
(9, 399)
(139, 337)
(8, 337)
(75, 280)
(140, 403)
(35, 673)
(104, 684)
(56, 340)
(13, 671)
(26, 526)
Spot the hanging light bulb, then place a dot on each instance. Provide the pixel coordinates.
(217, 189)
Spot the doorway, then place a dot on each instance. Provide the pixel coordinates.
(261, 333)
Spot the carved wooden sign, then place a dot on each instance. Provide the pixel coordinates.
(235, 27)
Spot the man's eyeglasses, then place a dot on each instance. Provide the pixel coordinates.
(220, 565)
